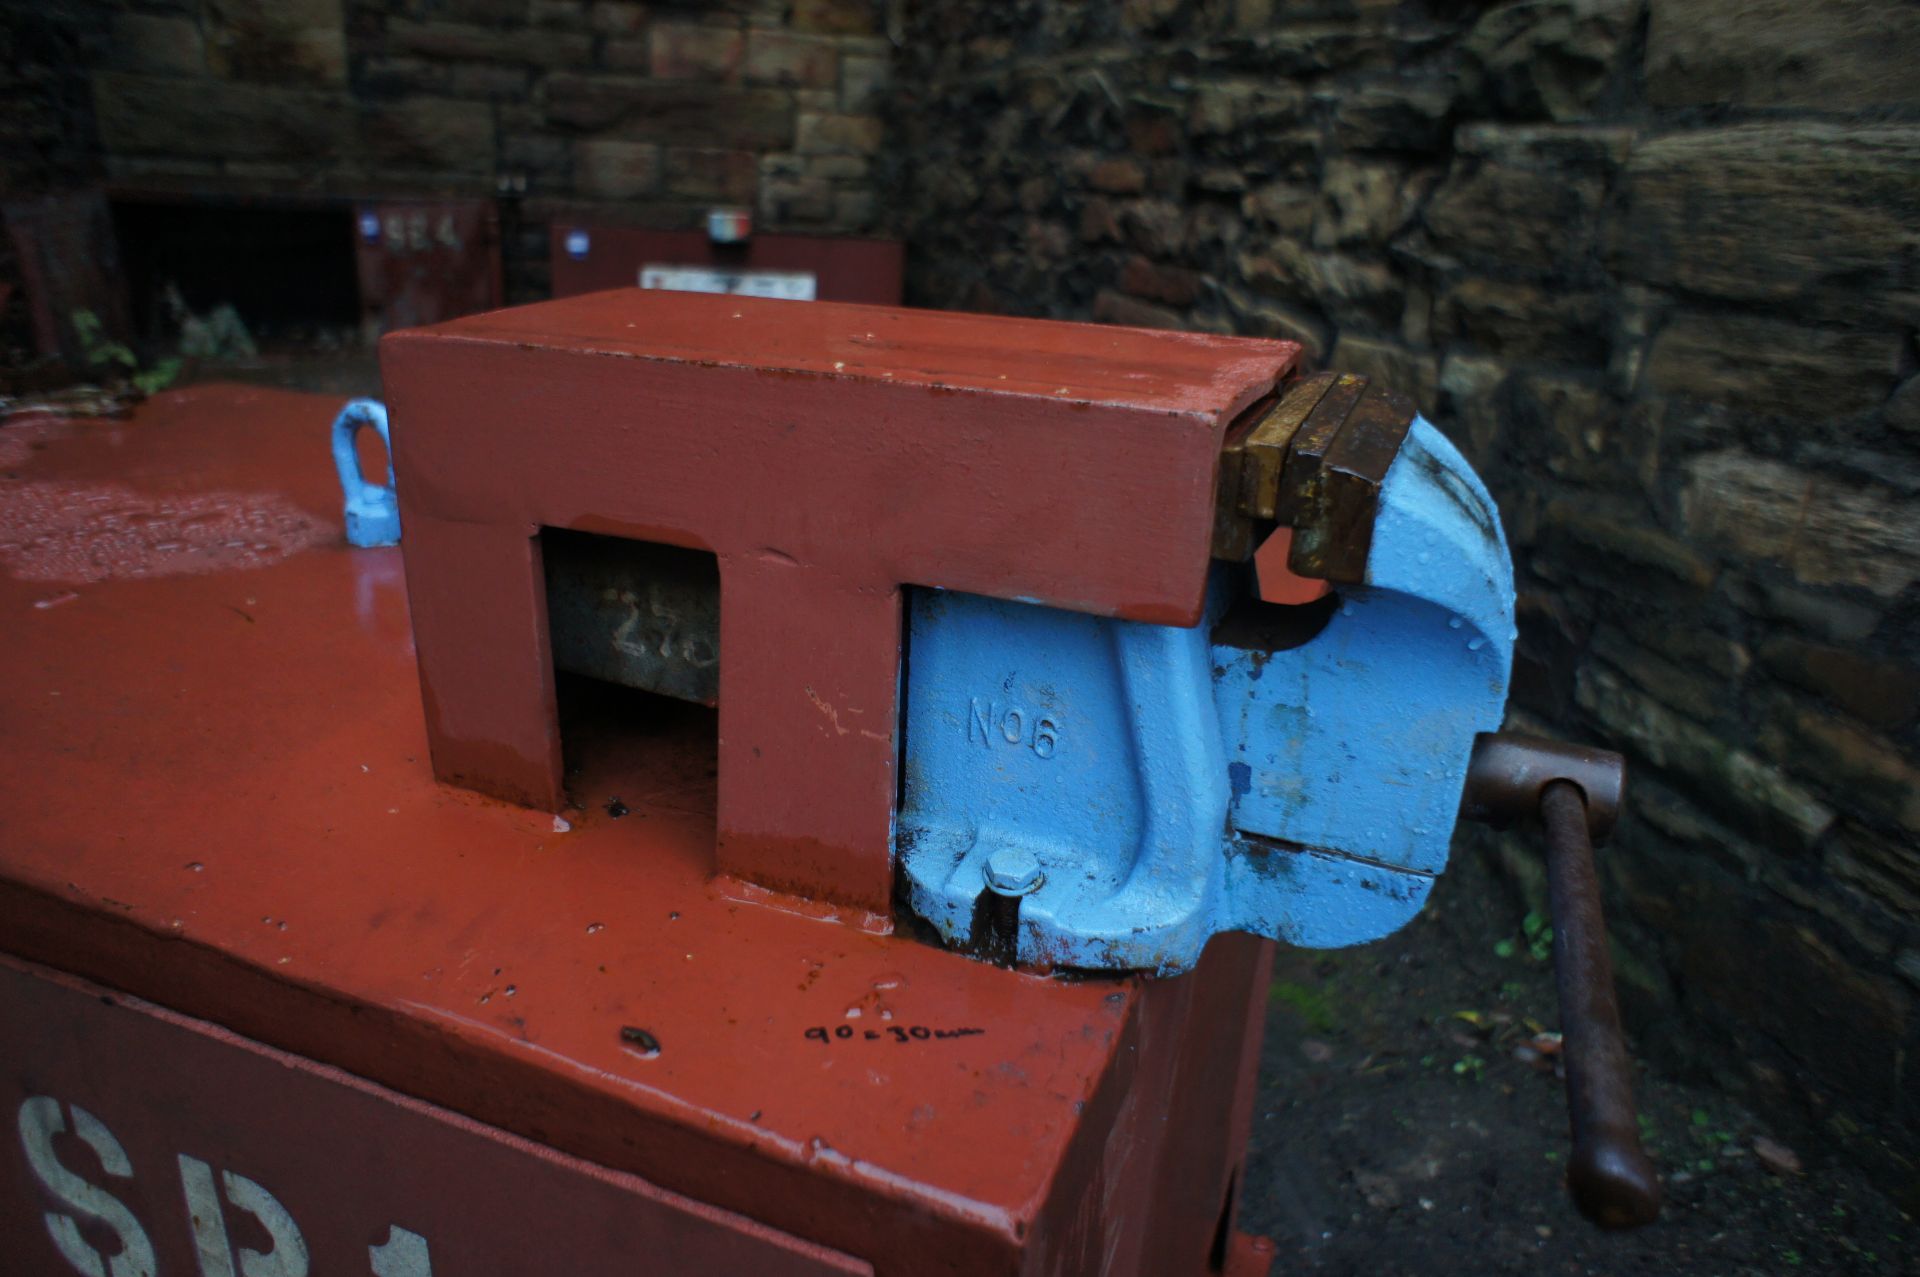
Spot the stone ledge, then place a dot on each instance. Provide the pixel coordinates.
(1817, 216)
(1834, 56)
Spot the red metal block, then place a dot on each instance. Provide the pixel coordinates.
(422, 261)
(215, 795)
(827, 456)
(847, 269)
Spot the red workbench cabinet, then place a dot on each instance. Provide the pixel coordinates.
(386, 1003)
(364, 1180)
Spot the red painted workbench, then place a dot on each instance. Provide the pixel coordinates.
(249, 942)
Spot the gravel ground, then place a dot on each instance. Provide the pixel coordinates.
(1406, 1125)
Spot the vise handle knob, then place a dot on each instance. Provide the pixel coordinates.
(1575, 792)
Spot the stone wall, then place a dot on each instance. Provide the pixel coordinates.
(45, 109)
(45, 130)
(636, 112)
(1660, 277)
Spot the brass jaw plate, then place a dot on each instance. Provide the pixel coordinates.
(1314, 460)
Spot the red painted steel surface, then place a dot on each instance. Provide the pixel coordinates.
(352, 1166)
(827, 455)
(1248, 1256)
(871, 271)
(214, 794)
(429, 261)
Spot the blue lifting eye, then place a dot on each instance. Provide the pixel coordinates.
(372, 510)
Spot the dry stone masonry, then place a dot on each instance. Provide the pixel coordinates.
(1657, 269)
(633, 112)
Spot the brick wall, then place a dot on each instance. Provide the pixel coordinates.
(633, 112)
(1660, 277)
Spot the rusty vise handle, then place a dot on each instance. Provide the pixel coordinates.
(1575, 792)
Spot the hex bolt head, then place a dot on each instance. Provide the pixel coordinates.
(1012, 871)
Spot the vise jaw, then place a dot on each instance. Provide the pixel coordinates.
(980, 614)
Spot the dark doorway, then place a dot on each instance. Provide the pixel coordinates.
(288, 270)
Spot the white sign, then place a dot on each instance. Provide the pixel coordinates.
(787, 285)
(403, 1254)
(187, 1154)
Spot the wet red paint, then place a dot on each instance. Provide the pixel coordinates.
(828, 455)
(22, 436)
(216, 795)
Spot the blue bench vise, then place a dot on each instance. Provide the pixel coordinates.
(1082, 791)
